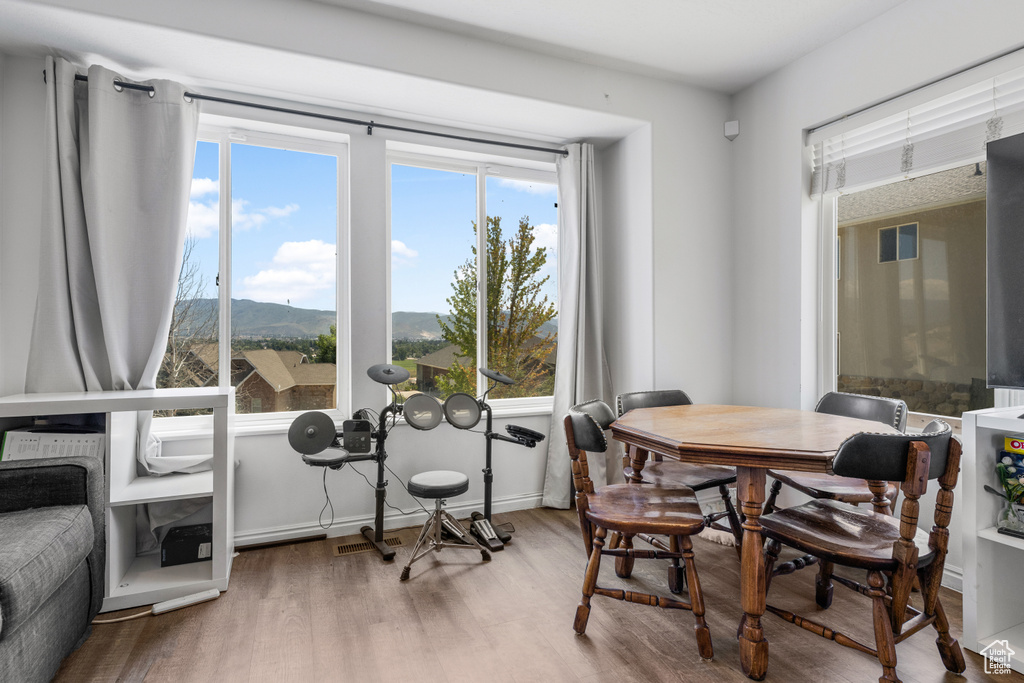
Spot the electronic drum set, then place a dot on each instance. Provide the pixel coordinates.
(314, 435)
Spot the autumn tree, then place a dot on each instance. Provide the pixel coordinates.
(193, 326)
(517, 310)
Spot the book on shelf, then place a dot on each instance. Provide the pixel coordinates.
(51, 441)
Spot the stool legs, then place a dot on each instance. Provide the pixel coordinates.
(431, 532)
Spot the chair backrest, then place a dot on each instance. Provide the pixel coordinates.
(890, 411)
(883, 457)
(590, 420)
(651, 399)
(912, 459)
(585, 426)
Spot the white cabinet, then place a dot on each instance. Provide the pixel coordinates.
(993, 601)
(140, 580)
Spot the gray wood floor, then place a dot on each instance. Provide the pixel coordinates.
(297, 613)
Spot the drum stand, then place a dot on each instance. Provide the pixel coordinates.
(375, 534)
(314, 435)
(491, 537)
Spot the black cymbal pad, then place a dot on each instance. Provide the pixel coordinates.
(387, 374)
(312, 432)
(496, 376)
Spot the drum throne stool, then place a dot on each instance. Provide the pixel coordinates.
(440, 485)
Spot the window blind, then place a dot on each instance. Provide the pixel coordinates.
(948, 131)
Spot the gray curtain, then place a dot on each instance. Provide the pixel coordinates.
(581, 369)
(119, 170)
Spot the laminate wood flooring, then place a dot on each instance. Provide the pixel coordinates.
(297, 613)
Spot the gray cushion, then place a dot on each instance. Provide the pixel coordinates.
(33, 653)
(438, 484)
(41, 548)
(51, 482)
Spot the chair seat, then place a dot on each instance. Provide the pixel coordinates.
(642, 509)
(438, 484)
(830, 487)
(841, 533)
(672, 473)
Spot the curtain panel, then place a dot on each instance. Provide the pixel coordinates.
(118, 176)
(581, 368)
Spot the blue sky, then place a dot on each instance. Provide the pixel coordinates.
(284, 212)
(432, 216)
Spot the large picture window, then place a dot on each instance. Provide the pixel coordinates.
(911, 300)
(463, 297)
(257, 297)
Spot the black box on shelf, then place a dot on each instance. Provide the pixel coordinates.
(185, 544)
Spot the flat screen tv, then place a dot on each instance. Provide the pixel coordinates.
(1005, 262)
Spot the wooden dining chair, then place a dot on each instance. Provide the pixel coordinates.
(881, 495)
(637, 511)
(662, 472)
(895, 553)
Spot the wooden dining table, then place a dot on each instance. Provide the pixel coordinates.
(753, 440)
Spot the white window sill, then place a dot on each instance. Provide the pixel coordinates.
(192, 427)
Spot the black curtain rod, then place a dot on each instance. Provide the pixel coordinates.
(370, 125)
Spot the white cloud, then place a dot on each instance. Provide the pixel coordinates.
(545, 235)
(401, 255)
(242, 218)
(280, 212)
(203, 220)
(299, 271)
(528, 186)
(202, 187)
(203, 212)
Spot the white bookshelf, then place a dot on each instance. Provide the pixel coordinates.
(133, 580)
(993, 607)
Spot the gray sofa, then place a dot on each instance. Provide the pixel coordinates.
(51, 562)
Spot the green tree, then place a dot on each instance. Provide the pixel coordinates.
(325, 348)
(516, 311)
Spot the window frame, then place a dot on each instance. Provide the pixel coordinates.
(897, 228)
(451, 160)
(225, 131)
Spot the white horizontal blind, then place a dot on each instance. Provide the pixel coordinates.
(945, 132)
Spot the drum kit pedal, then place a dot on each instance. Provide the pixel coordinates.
(314, 435)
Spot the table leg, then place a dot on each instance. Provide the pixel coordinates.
(637, 458)
(750, 484)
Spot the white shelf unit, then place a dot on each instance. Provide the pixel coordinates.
(140, 580)
(993, 607)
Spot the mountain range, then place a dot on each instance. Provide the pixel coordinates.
(260, 319)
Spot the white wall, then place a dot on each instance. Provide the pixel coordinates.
(628, 266)
(667, 185)
(775, 226)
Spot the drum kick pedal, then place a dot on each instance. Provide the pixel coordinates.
(488, 536)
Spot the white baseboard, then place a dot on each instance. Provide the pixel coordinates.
(346, 526)
(953, 578)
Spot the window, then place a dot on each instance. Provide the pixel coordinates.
(911, 301)
(442, 311)
(271, 279)
(897, 243)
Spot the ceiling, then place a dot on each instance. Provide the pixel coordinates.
(724, 45)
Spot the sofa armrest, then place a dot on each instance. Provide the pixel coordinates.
(46, 482)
